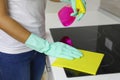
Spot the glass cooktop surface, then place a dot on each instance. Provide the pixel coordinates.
(99, 38)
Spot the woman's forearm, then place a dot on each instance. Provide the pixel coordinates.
(13, 28)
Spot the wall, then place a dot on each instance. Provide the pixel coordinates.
(53, 7)
(112, 6)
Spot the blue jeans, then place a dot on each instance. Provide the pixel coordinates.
(25, 66)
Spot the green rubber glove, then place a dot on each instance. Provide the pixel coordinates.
(79, 8)
(57, 49)
(65, 0)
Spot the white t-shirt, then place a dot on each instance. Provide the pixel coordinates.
(30, 14)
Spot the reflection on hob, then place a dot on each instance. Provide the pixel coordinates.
(100, 38)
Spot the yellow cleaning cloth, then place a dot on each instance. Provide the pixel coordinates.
(89, 63)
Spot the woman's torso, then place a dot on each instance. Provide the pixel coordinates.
(30, 14)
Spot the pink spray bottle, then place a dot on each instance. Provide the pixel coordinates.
(65, 17)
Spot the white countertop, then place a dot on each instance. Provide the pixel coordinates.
(91, 18)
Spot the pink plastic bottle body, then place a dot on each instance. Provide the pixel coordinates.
(64, 15)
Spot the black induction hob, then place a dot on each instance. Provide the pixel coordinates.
(99, 38)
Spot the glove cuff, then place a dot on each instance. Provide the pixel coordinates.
(68, 1)
(37, 43)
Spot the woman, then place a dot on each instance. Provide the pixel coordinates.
(22, 44)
